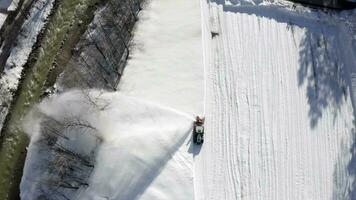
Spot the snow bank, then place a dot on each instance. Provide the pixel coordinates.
(9, 78)
(138, 140)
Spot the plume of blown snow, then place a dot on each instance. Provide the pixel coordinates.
(139, 138)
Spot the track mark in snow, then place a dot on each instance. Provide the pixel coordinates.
(278, 114)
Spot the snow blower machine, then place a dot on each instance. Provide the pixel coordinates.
(198, 131)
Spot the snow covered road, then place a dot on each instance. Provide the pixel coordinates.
(279, 112)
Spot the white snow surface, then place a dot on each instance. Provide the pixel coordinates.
(9, 78)
(166, 67)
(165, 64)
(279, 105)
(147, 153)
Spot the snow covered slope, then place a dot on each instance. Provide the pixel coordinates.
(138, 139)
(165, 63)
(166, 68)
(279, 111)
(146, 151)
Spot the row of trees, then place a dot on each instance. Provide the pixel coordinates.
(100, 57)
(68, 168)
(68, 165)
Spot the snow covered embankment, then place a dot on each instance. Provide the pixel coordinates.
(279, 110)
(138, 139)
(9, 78)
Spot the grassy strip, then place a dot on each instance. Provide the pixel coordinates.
(56, 38)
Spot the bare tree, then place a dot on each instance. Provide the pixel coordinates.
(67, 168)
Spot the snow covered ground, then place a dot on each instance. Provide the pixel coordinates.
(146, 151)
(9, 78)
(5, 7)
(279, 104)
(279, 110)
(166, 67)
(165, 64)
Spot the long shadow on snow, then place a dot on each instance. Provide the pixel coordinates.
(193, 148)
(326, 62)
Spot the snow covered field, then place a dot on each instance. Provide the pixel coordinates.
(278, 99)
(146, 151)
(165, 64)
(166, 67)
(279, 110)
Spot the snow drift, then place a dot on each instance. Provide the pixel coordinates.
(138, 138)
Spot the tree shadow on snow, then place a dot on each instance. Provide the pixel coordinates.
(322, 64)
(326, 69)
(324, 72)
